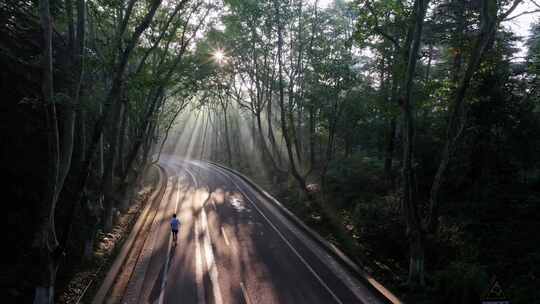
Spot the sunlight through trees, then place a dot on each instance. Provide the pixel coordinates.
(404, 132)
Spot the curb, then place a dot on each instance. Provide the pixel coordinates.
(116, 267)
(343, 259)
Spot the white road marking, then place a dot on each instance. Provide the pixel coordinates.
(135, 286)
(202, 227)
(164, 279)
(210, 261)
(288, 243)
(245, 293)
(297, 254)
(199, 266)
(237, 203)
(225, 237)
(167, 257)
(198, 254)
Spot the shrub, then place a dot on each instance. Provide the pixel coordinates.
(355, 178)
(460, 283)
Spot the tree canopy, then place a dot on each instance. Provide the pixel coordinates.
(418, 120)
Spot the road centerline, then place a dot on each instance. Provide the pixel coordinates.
(169, 252)
(245, 293)
(199, 266)
(224, 233)
(210, 260)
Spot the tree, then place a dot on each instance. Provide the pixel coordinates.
(59, 152)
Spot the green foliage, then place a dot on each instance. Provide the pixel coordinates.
(379, 218)
(343, 71)
(533, 54)
(380, 20)
(460, 282)
(354, 178)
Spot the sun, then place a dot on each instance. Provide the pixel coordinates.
(219, 56)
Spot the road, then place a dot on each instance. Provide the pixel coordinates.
(234, 246)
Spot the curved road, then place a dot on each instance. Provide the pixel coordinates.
(234, 246)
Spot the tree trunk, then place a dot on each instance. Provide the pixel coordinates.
(301, 130)
(312, 159)
(264, 147)
(156, 98)
(416, 260)
(227, 141)
(69, 121)
(301, 181)
(409, 203)
(348, 143)
(101, 150)
(146, 149)
(456, 123)
(389, 151)
(292, 129)
(108, 177)
(122, 135)
(271, 136)
(114, 93)
(329, 145)
(133, 177)
(204, 136)
(139, 139)
(167, 131)
(45, 243)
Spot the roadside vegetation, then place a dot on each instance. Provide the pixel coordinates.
(406, 132)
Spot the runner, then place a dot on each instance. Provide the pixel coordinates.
(175, 225)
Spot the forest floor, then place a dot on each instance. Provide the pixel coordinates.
(82, 282)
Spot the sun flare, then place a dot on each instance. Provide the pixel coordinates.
(219, 56)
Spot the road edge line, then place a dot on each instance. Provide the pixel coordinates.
(120, 259)
(341, 257)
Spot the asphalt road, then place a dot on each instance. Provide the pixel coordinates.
(234, 246)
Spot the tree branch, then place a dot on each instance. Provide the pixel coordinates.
(510, 10)
(521, 14)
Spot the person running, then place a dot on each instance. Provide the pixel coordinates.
(175, 224)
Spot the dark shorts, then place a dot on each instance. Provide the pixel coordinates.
(174, 231)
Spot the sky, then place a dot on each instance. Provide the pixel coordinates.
(522, 24)
(322, 3)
